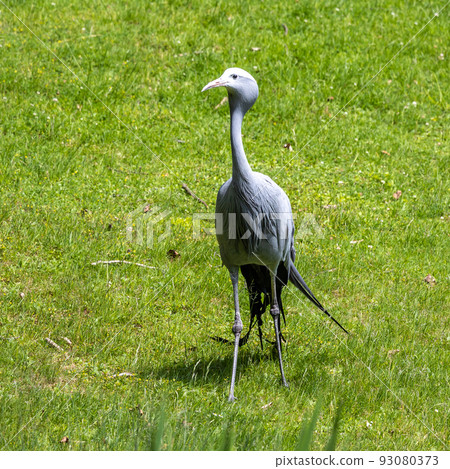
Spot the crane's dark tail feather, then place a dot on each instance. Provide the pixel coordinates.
(258, 282)
(259, 288)
(298, 281)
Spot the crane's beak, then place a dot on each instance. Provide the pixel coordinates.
(215, 84)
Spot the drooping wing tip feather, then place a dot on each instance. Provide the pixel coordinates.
(298, 281)
(332, 318)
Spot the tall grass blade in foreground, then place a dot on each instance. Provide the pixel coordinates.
(331, 445)
(227, 438)
(156, 436)
(307, 431)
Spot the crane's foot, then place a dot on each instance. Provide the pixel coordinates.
(231, 398)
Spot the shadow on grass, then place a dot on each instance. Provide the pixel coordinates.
(215, 368)
(208, 369)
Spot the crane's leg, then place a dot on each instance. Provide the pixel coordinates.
(237, 327)
(275, 312)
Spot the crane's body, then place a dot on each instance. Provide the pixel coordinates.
(256, 228)
(260, 228)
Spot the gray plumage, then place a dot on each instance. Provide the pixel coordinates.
(254, 225)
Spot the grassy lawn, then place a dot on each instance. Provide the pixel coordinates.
(101, 115)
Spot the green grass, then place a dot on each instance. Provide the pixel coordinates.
(70, 172)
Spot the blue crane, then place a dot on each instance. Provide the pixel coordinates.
(254, 227)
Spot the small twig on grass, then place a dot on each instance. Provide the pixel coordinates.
(285, 29)
(125, 373)
(68, 341)
(54, 344)
(123, 262)
(188, 191)
(136, 355)
(222, 102)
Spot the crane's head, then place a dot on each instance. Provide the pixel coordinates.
(241, 86)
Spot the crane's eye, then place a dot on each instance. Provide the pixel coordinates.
(234, 76)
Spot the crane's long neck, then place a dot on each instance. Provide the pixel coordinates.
(241, 168)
